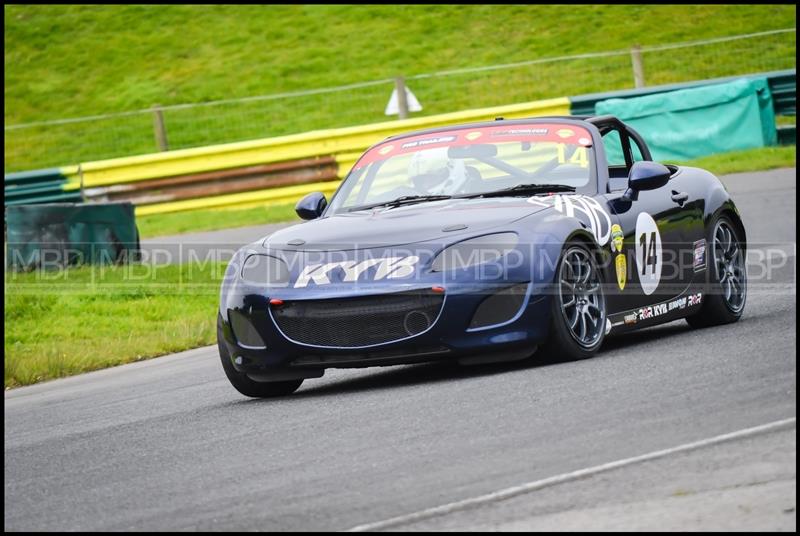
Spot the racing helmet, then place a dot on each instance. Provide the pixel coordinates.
(433, 172)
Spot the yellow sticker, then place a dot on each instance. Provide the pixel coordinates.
(473, 135)
(384, 150)
(622, 271)
(617, 237)
(565, 132)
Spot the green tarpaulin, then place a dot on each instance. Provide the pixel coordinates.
(689, 123)
(58, 234)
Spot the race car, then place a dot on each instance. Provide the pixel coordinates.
(483, 242)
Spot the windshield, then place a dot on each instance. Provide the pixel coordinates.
(468, 162)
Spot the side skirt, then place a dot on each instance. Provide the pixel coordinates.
(658, 313)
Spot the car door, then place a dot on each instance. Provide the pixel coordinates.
(658, 231)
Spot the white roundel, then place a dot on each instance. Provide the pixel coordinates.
(648, 252)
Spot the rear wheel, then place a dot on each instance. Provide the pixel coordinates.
(578, 308)
(726, 292)
(248, 387)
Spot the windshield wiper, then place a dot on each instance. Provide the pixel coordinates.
(522, 189)
(404, 200)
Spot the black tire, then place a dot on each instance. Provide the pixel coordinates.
(251, 388)
(563, 344)
(717, 308)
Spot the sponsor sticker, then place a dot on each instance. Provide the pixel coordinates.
(695, 299)
(472, 136)
(645, 313)
(521, 132)
(617, 238)
(565, 132)
(428, 141)
(680, 303)
(630, 319)
(654, 311)
(622, 270)
(700, 255)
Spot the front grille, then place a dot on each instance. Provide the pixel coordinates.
(360, 321)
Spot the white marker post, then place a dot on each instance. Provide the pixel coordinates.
(402, 100)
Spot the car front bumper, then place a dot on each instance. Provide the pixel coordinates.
(269, 350)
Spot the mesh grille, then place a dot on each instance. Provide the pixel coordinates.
(360, 321)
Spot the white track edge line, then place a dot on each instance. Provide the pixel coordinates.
(566, 477)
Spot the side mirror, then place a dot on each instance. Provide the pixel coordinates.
(311, 206)
(645, 176)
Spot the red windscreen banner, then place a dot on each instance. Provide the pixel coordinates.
(534, 132)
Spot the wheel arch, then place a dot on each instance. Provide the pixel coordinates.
(601, 254)
(732, 214)
(718, 202)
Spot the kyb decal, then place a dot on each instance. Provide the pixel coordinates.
(387, 268)
(585, 208)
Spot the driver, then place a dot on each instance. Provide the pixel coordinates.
(434, 173)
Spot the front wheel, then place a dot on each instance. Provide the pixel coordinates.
(255, 389)
(726, 292)
(578, 308)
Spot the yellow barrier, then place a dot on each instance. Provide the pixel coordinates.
(288, 194)
(342, 142)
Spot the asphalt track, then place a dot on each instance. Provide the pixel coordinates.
(168, 444)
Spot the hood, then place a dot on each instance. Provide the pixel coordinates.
(382, 227)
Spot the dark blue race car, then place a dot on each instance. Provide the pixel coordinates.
(483, 242)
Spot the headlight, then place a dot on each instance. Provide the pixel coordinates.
(231, 271)
(475, 251)
(265, 270)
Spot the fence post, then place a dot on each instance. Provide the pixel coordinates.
(160, 129)
(638, 66)
(402, 101)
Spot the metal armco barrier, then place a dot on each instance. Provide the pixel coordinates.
(40, 186)
(214, 183)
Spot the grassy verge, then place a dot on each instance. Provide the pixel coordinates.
(63, 323)
(211, 220)
(750, 160)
